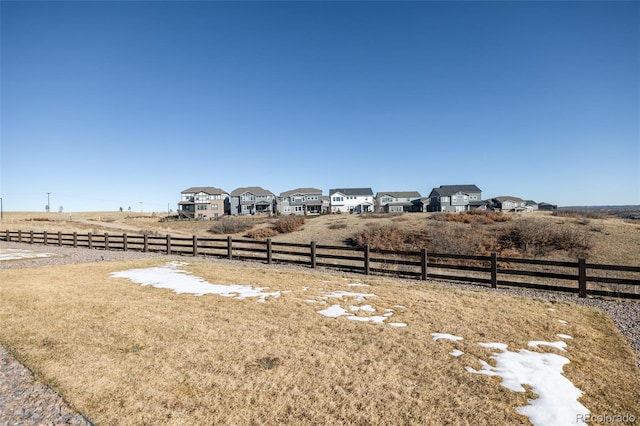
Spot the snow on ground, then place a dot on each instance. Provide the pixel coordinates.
(557, 398)
(19, 254)
(181, 281)
(438, 336)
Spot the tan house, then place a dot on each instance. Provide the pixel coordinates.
(203, 202)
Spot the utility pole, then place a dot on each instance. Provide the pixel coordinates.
(48, 202)
(1, 211)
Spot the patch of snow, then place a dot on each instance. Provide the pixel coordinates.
(564, 336)
(305, 288)
(500, 346)
(180, 281)
(397, 324)
(376, 319)
(557, 401)
(456, 352)
(551, 310)
(366, 308)
(438, 336)
(358, 285)
(333, 311)
(558, 345)
(311, 301)
(358, 296)
(20, 254)
(563, 322)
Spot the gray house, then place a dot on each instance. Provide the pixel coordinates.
(455, 198)
(301, 201)
(252, 200)
(396, 202)
(508, 204)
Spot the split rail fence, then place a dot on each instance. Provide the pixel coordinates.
(581, 278)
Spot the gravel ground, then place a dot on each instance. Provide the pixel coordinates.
(25, 401)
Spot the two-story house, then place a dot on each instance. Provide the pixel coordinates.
(203, 202)
(396, 202)
(454, 198)
(252, 200)
(301, 201)
(351, 200)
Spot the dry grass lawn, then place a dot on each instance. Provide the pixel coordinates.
(123, 354)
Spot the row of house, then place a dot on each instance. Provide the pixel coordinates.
(208, 202)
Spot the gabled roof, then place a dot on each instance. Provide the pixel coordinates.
(400, 194)
(301, 191)
(508, 198)
(448, 190)
(352, 191)
(255, 190)
(206, 189)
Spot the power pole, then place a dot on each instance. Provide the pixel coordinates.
(48, 202)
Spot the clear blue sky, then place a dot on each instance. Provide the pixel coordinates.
(109, 104)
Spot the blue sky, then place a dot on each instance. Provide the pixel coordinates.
(118, 104)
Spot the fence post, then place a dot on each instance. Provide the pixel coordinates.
(106, 241)
(124, 241)
(19, 236)
(75, 240)
(89, 240)
(582, 278)
(494, 270)
(269, 252)
(45, 237)
(195, 245)
(59, 238)
(145, 243)
(367, 267)
(229, 247)
(8, 238)
(168, 244)
(31, 237)
(313, 254)
(423, 263)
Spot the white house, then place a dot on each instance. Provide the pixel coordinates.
(351, 200)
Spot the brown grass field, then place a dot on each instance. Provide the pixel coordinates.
(613, 241)
(123, 354)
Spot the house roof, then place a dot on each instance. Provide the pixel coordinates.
(301, 191)
(206, 189)
(400, 194)
(508, 198)
(352, 191)
(255, 190)
(448, 190)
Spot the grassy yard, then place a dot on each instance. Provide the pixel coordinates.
(122, 353)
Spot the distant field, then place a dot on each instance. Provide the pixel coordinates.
(612, 240)
(320, 349)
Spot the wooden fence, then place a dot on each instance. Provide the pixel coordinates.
(573, 277)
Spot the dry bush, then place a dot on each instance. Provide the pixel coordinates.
(380, 215)
(261, 234)
(388, 237)
(338, 225)
(232, 225)
(288, 224)
(580, 214)
(540, 238)
(473, 216)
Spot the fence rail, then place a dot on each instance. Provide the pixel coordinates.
(579, 277)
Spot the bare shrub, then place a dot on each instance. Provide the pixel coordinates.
(261, 234)
(483, 217)
(388, 237)
(540, 238)
(338, 225)
(232, 225)
(380, 215)
(288, 224)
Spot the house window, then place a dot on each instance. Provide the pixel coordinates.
(201, 207)
(338, 199)
(214, 207)
(299, 208)
(444, 199)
